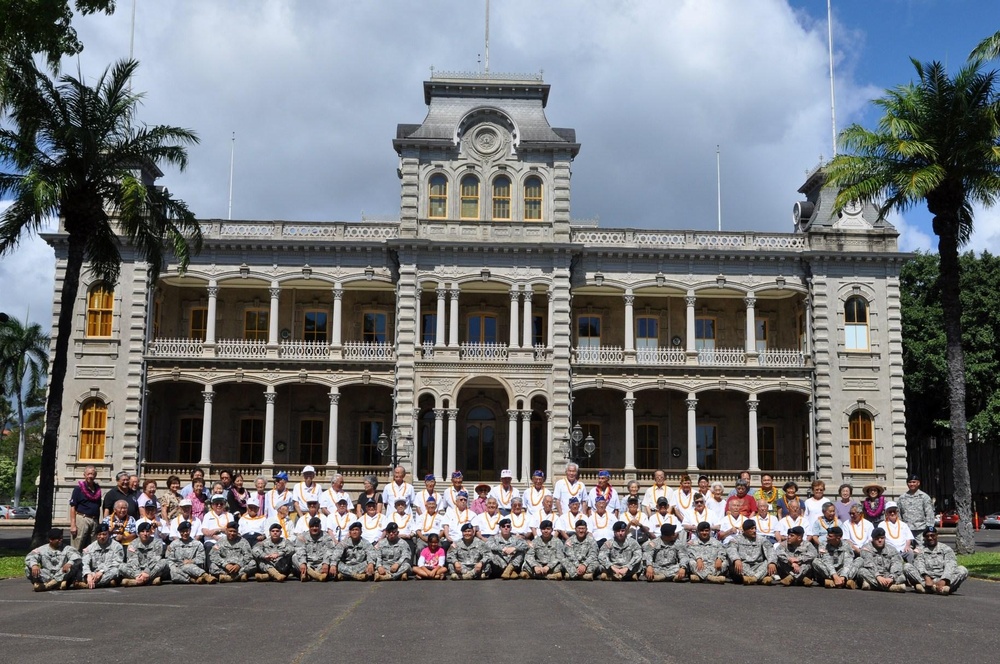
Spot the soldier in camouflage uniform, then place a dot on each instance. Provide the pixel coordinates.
(795, 558)
(916, 508)
(468, 558)
(707, 560)
(752, 558)
(313, 554)
(507, 552)
(835, 564)
(580, 557)
(186, 558)
(102, 560)
(54, 565)
(881, 565)
(231, 558)
(545, 555)
(665, 557)
(273, 556)
(620, 559)
(392, 556)
(354, 558)
(935, 569)
(144, 563)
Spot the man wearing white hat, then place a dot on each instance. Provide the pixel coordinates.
(253, 525)
(897, 532)
(185, 515)
(306, 490)
(504, 492)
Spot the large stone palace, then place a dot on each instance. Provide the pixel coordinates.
(484, 323)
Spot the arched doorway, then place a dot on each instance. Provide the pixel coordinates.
(480, 443)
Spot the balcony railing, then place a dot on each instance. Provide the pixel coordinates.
(660, 356)
(722, 357)
(304, 350)
(599, 355)
(488, 352)
(369, 352)
(176, 347)
(241, 348)
(775, 357)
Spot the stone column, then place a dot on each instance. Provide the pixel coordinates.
(808, 350)
(338, 315)
(549, 443)
(525, 475)
(453, 323)
(689, 301)
(752, 404)
(331, 452)
(629, 402)
(751, 334)
(272, 319)
(512, 440)
(629, 321)
(213, 296)
(527, 325)
(512, 335)
(419, 341)
(269, 396)
(206, 427)
(692, 431)
(452, 431)
(442, 294)
(550, 327)
(439, 443)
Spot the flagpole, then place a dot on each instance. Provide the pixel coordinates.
(487, 59)
(232, 156)
(833, 97)
(718, 180)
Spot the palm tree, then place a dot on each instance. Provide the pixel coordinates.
(987, 49)
(938, 142)
(24, 360)
(77, 152)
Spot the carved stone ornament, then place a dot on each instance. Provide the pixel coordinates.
(487, 140)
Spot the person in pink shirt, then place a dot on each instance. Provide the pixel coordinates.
(478, 505)
(431, 561)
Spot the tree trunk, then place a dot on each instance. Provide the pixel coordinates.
(57, 379)
(22, 438)
(951, 306)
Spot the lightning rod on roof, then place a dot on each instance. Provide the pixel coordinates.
(487, 59)
(232, 155)
(833, 97)
(718, 180)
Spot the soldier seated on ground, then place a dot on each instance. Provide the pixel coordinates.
(301, 529)
(935, 569)
(620, 558)
(881, 565)
(707, 560)
(835, 564)
(102, 560)
(508, 552)
(544, 557)
(273, 556)
(580, 555)
(144, 561)
(392, 556)
(468, 557)
(54, 565)
(795, 558)
(665, 557)
(231, 558)
(313, 554)
(186, 557)
(752, 558)
(431, 561)
(354, 558)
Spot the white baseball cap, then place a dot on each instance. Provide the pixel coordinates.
(252, 500)
(506, 473)
(308, 469)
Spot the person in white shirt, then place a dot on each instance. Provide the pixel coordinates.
(715, 501)
(606, 491)
(430, 522)
(520, 520)
(148, 508)
(449, 497)
(569, 487)
(662, 515)
(657, 491)
(699, 514)
(213, 526)
(566, 525)
(278, 496)
(301, 530)
(683, 498)
(329, 498)
(601, 521)
(372, 523)
(793, 519)
(813, 508)
(253, 525)
(767, 522)
(897, 533)
(547, 511)
(536, 493)
(488, 523)
(822, 525)
(858, 530)
(634, 520)
(429, 491)
(504, 492)
(306, 490)
(459, 515)
(731, 524)
(185, 515)
(398, 488)
(339, 521)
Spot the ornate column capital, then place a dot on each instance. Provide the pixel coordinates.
(453, 414)
(334, 399)
(515, 295)
(213, 291)
(454, 294)
(692, 404)
(269, 397)
(630, 403)
(628, 298)
(528, 295)
(549, 415)
(512, 415)
(525, 415)
(439, 413)
(338, 293)
(274, 292)
(442, 293)
(750, 301)
(752, 405)
(690, 300)
(208, 396)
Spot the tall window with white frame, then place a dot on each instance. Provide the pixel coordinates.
(647, 340)
(707, 440)
(428, 326)
(588, 337)
(311, 432)
(251, 440)
(100, 310)
(704, 333)
(647, 446)
(533, 198)
(198, 323)
(761, 330)
(315, 325)
(470, 197)
(501, 198)
(861, 439)
(373, 328)
(255, 323)
(189, 440)
(482, 329)
(856, 323)
(93, 430)
(437, 197)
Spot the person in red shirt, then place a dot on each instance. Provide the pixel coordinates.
(747, 505)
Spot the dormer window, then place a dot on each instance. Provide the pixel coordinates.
(533, 198)
(470, 197)
(501, 198)
(437, 200)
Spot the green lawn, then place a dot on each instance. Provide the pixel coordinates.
(11, 563)
(984, 565)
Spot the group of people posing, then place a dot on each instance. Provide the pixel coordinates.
(696, 533)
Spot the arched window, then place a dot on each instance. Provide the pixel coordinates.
(856, 323)
(862, 441)
(533, 198)
(501, 197)
(93, 430)
(100, 307)
(437, 200)
(470, 197)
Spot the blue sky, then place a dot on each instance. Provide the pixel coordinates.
(314, 90)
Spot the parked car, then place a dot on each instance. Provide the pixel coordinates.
(947, 519)
(4, 511)
(992, 520)
(22, 513)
